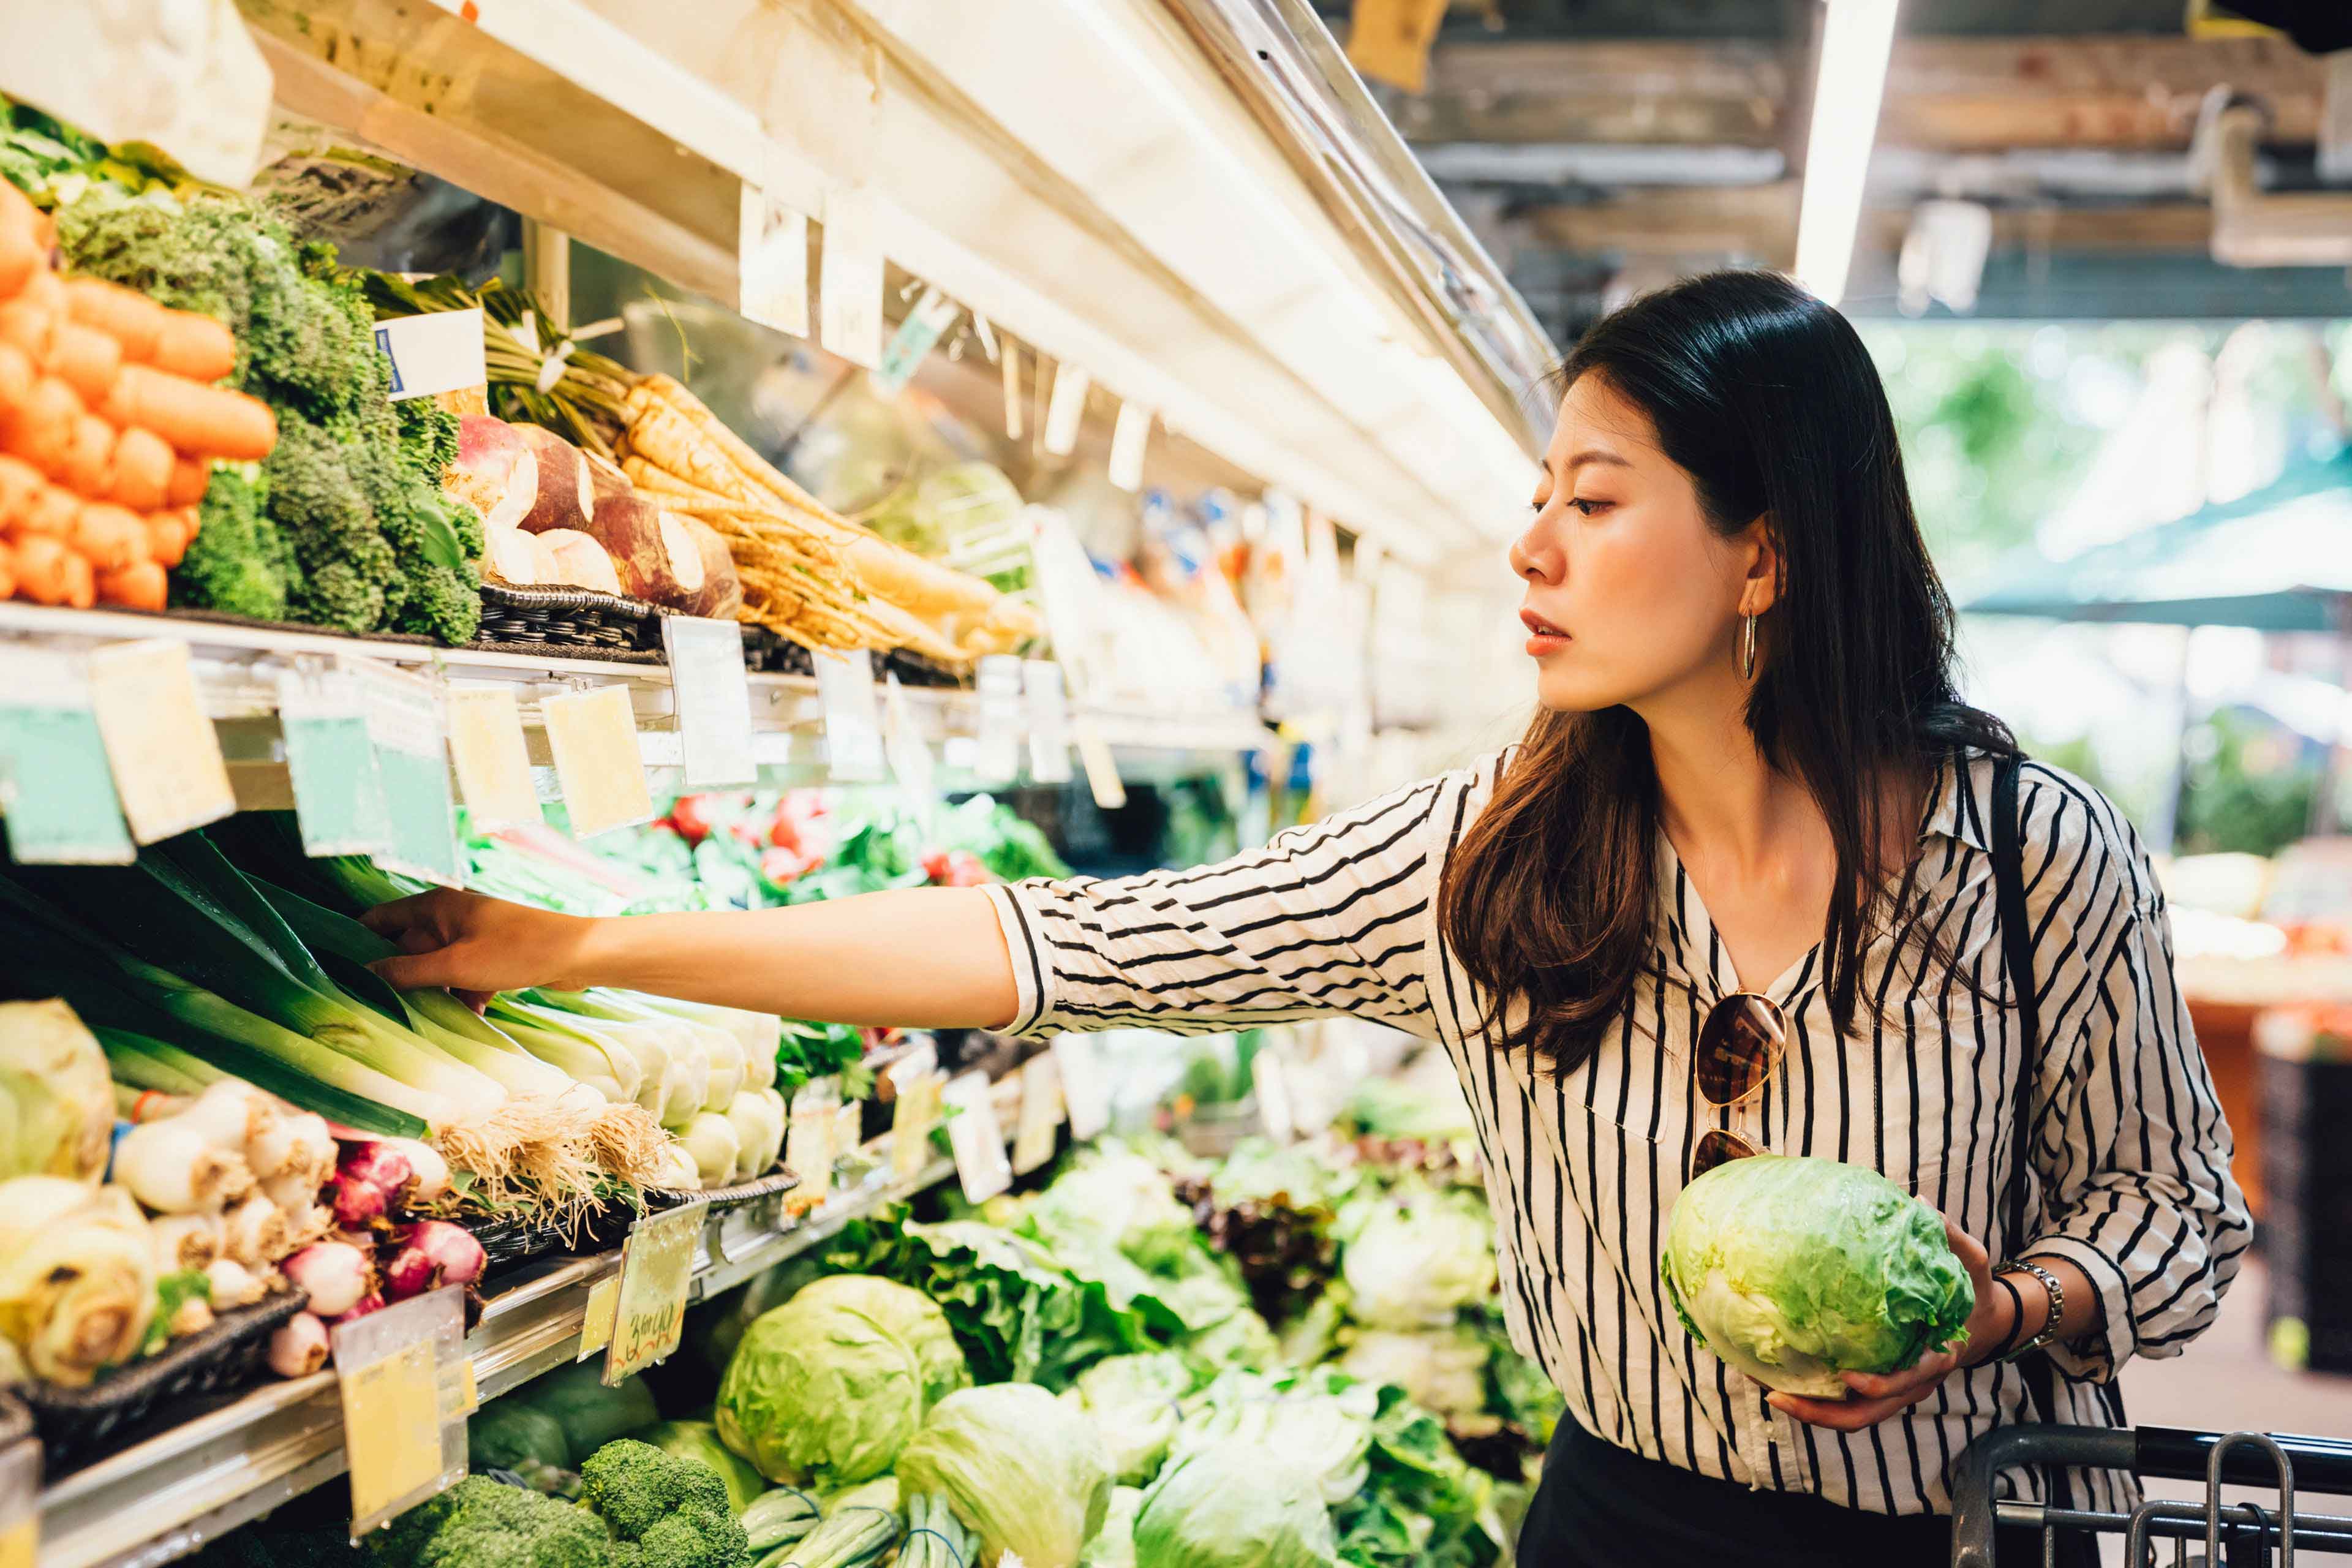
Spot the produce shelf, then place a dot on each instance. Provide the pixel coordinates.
(168, 1496)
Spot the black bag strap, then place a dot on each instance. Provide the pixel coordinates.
(2017, 962)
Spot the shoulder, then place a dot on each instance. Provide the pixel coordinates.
(2081, 852)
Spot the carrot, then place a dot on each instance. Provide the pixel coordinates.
(109, 537)
(142, 469)
(90, 458)
(21, 251)
(191, 477)
(193, 346)
(197, 419)
(40, 429)
(169, 534)
(28, 329)
(15, 376)
(49, 572)
(51, 514)
(20, 483)
(8, 573)
(139, 587)
(128, 317)
(85, 359)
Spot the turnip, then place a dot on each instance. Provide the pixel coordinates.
(566, 497)
(496, 470)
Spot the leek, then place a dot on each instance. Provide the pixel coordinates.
(559, 1041)
(141, 1061)
(653, 1045)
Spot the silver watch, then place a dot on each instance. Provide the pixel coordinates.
(2057, 1303)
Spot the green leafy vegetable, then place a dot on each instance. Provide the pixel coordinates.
(1027, 1473)
(1232, 1506)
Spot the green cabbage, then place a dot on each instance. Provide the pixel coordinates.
(1236, 1505)
(1319, 1422)
(699, 1440)
(1132, 1399)
(1794, 1271)
(830, 1385)
(1114, 1547)
(1413, 1261)
(1025, 1471)
(1443, 1369)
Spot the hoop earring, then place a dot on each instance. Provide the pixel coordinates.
(1747, 648)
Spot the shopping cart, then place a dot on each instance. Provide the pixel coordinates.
(2225, 1535)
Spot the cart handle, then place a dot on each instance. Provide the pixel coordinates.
(2320, 1464)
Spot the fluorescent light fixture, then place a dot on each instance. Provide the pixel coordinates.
(1856, 38)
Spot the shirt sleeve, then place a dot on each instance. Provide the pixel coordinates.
(2135, 1158)
(1337, 918)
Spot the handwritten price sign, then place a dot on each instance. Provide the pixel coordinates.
(656, 1266)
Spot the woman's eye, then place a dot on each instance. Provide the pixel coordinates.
(1588, 506)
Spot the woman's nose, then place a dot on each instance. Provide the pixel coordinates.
(1534, 558)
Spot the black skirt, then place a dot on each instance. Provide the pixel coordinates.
(1601, 1506)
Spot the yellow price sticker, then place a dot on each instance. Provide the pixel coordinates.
(916, 1111)
(20, 1543)
(656, 1268)
(20, 1509)
(392, 1428)
(596, 1326)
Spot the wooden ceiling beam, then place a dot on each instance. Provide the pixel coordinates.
(1957, 94)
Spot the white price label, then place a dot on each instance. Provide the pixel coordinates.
(1128, 439)
(410, 733)
(407, 1385)
(656, 1269)
(1085, 1091)
(933, 314)
(808, 1143)
(1041, 1115)
(493, 765)
(1066, 410)
(849, 278)
(1272, 1081)
(714, 700)
(1009, 362)
(771, 264)
(1049, 720)
(915, 1084)
(1102, 769)
(160, 741)
(909, 753)
(433, 354)
(977, 1137)
(593, 737)
(1000, 719)
(853, 732)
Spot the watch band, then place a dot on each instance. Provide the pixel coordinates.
(2050, 1282)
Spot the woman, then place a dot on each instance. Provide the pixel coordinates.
(1749, 827)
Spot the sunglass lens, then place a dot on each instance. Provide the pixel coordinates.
(1737, 1046)
(1718, 1148)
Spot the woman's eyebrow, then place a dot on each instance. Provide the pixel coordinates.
(1598, 455)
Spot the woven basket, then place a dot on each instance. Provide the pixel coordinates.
(505, 1239)
(531, 620)
(78, 1426)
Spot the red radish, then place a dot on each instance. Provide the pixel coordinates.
(658, 559)
(580, 560)
(508, 556)
(432, 1254)
(722, 594)
(300, 1347)
(495, 470)
(367, 1304)
(567, 497)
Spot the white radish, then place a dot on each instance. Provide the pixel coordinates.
(299, 1346)
(185, 1241)
(174, 1166)
(233, 1285)
(232, 1113)
(254, 1233)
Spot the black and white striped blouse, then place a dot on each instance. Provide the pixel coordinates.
(2131, 1156)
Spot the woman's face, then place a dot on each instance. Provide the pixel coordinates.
(1631, 593)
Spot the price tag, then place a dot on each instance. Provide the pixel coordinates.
(493, 765)
(714, 700)
(20, 1503)
(412, 757)
(54, 789)
(1049, 720)
(771, 264)
(168, 771)
(910, 754)
(403, 1421)
(1041, 1115)
(657, 1267)
(1102, 769)
(339, 804)
(1272, 1081)
(849, 278)
(596, 1320)
(593, 737)
(1066, 410)
(933, 314)
(977, 1139)
(848, 1121)
(1128, 439)
(469, 1397)
(915, 1084)
(853, 732)
(434, 353)
(808, 1143)
(1000, 719)
(1085, 1091)
(1009, 362)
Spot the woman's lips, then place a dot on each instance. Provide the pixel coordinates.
(1543, 637)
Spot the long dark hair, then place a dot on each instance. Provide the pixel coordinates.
(1767, 399)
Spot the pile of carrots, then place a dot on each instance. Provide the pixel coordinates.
(109, 427)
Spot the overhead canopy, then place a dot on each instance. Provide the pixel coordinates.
(2279, 560)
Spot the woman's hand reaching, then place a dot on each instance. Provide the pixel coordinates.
(1876, 1399)
(475, 946)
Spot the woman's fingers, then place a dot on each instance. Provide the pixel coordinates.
(1839, 1414)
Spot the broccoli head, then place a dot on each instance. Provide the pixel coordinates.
(483, 1523)
(428, 437)
(240, 562)
(675, 1510)
(437, 602)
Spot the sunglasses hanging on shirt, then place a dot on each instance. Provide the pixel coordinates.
(1739, 1047)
